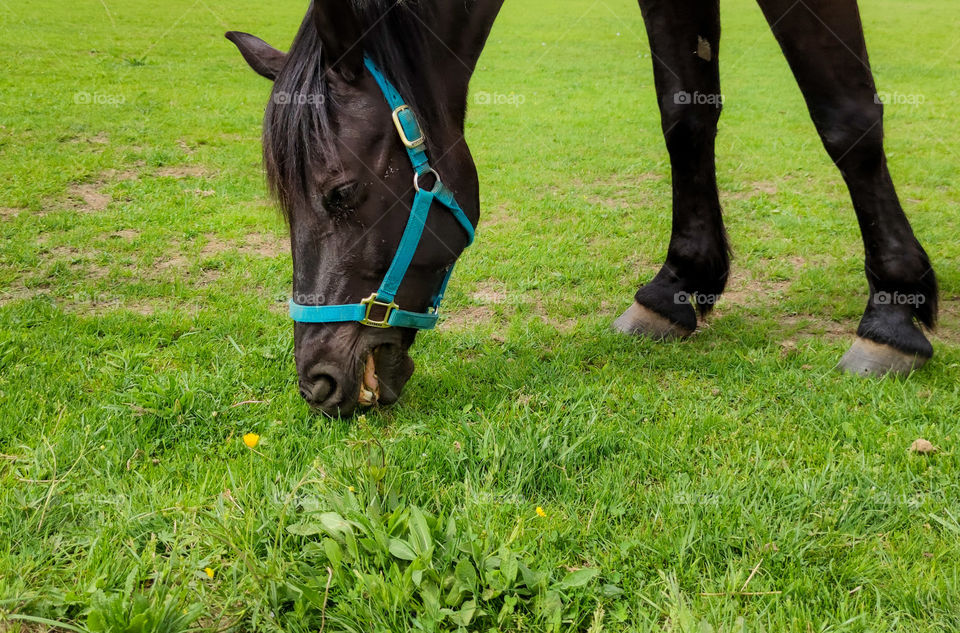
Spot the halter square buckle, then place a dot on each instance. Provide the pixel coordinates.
(383, 323)
(410, 144)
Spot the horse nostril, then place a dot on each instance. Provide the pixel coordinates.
(319, 389)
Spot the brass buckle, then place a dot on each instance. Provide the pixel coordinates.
(370, 302)
(403, 133)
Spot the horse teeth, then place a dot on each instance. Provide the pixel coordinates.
(367, 397)
(370, 389)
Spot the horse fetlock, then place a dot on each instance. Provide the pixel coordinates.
(890, 320)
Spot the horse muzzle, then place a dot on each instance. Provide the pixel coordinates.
(339, 379)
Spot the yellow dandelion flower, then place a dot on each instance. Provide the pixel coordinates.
(541, 513)
(209, 573)
(351, 489)
(251, 440)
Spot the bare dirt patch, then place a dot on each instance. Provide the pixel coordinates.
(486, 295)
(610, 203)
(9, 212)
(948, 330)
(127, 175)
(78, 260)
(182, 171)
(172, 262)
(214, 246)
(563, 326)
(182, 262)
(15, 292)
(769, 188)
(466, 318)
(257, 244)
(125, 234)
(263, 245)
(815, 326)
(539, 308)
(490, 292)
(88, 197)
(753, 190)
(209, 276)
(101, 303)
(100, 138)
(66, 252)
(619, 191)
(141, 307)
(181, 266)
(186, 147)
(499, 217)
(745, 291)
(260, 203)
(637, 265)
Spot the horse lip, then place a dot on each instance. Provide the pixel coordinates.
(391, 368)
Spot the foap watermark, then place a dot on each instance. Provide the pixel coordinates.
(491, 498)
(310, 299)
(695, 299)
(899, 98)
(297, 98)
(99, 99)
(884, 298)
(95, 298)
(698, 98)
(892, 499)
(687, 498)
(499, 99)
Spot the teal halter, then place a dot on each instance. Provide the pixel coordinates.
(413, 140)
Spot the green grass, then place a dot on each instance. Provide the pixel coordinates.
(142, 334)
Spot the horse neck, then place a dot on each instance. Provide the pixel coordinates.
(456, 33)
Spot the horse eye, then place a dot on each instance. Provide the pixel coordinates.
(342, 199)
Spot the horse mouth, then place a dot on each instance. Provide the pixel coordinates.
(370, 384)
(384, 371)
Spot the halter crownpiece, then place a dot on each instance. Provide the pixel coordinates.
(415, 143)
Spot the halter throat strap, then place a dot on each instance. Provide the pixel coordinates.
(380, 310)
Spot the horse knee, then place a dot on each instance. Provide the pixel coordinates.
(852, 134)
(690, 121)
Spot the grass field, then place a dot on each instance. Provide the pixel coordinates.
(540, 472)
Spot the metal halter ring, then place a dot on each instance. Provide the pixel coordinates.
(416, 180)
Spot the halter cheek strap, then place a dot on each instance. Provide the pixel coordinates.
(379, 309)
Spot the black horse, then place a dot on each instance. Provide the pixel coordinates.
(341, 174)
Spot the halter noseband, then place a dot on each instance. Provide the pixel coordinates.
(413, 140)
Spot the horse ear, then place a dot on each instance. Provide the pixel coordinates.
(340, 34)
(262, 57)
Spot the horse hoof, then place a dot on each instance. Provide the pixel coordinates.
(868, 358)
(641, 321)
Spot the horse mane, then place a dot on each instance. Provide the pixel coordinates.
(298, 133)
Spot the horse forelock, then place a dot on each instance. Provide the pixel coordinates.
(298, 133)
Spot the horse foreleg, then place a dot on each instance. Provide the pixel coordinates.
(684, 40)
(824, 45)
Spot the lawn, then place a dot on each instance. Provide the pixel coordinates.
(540, 472)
